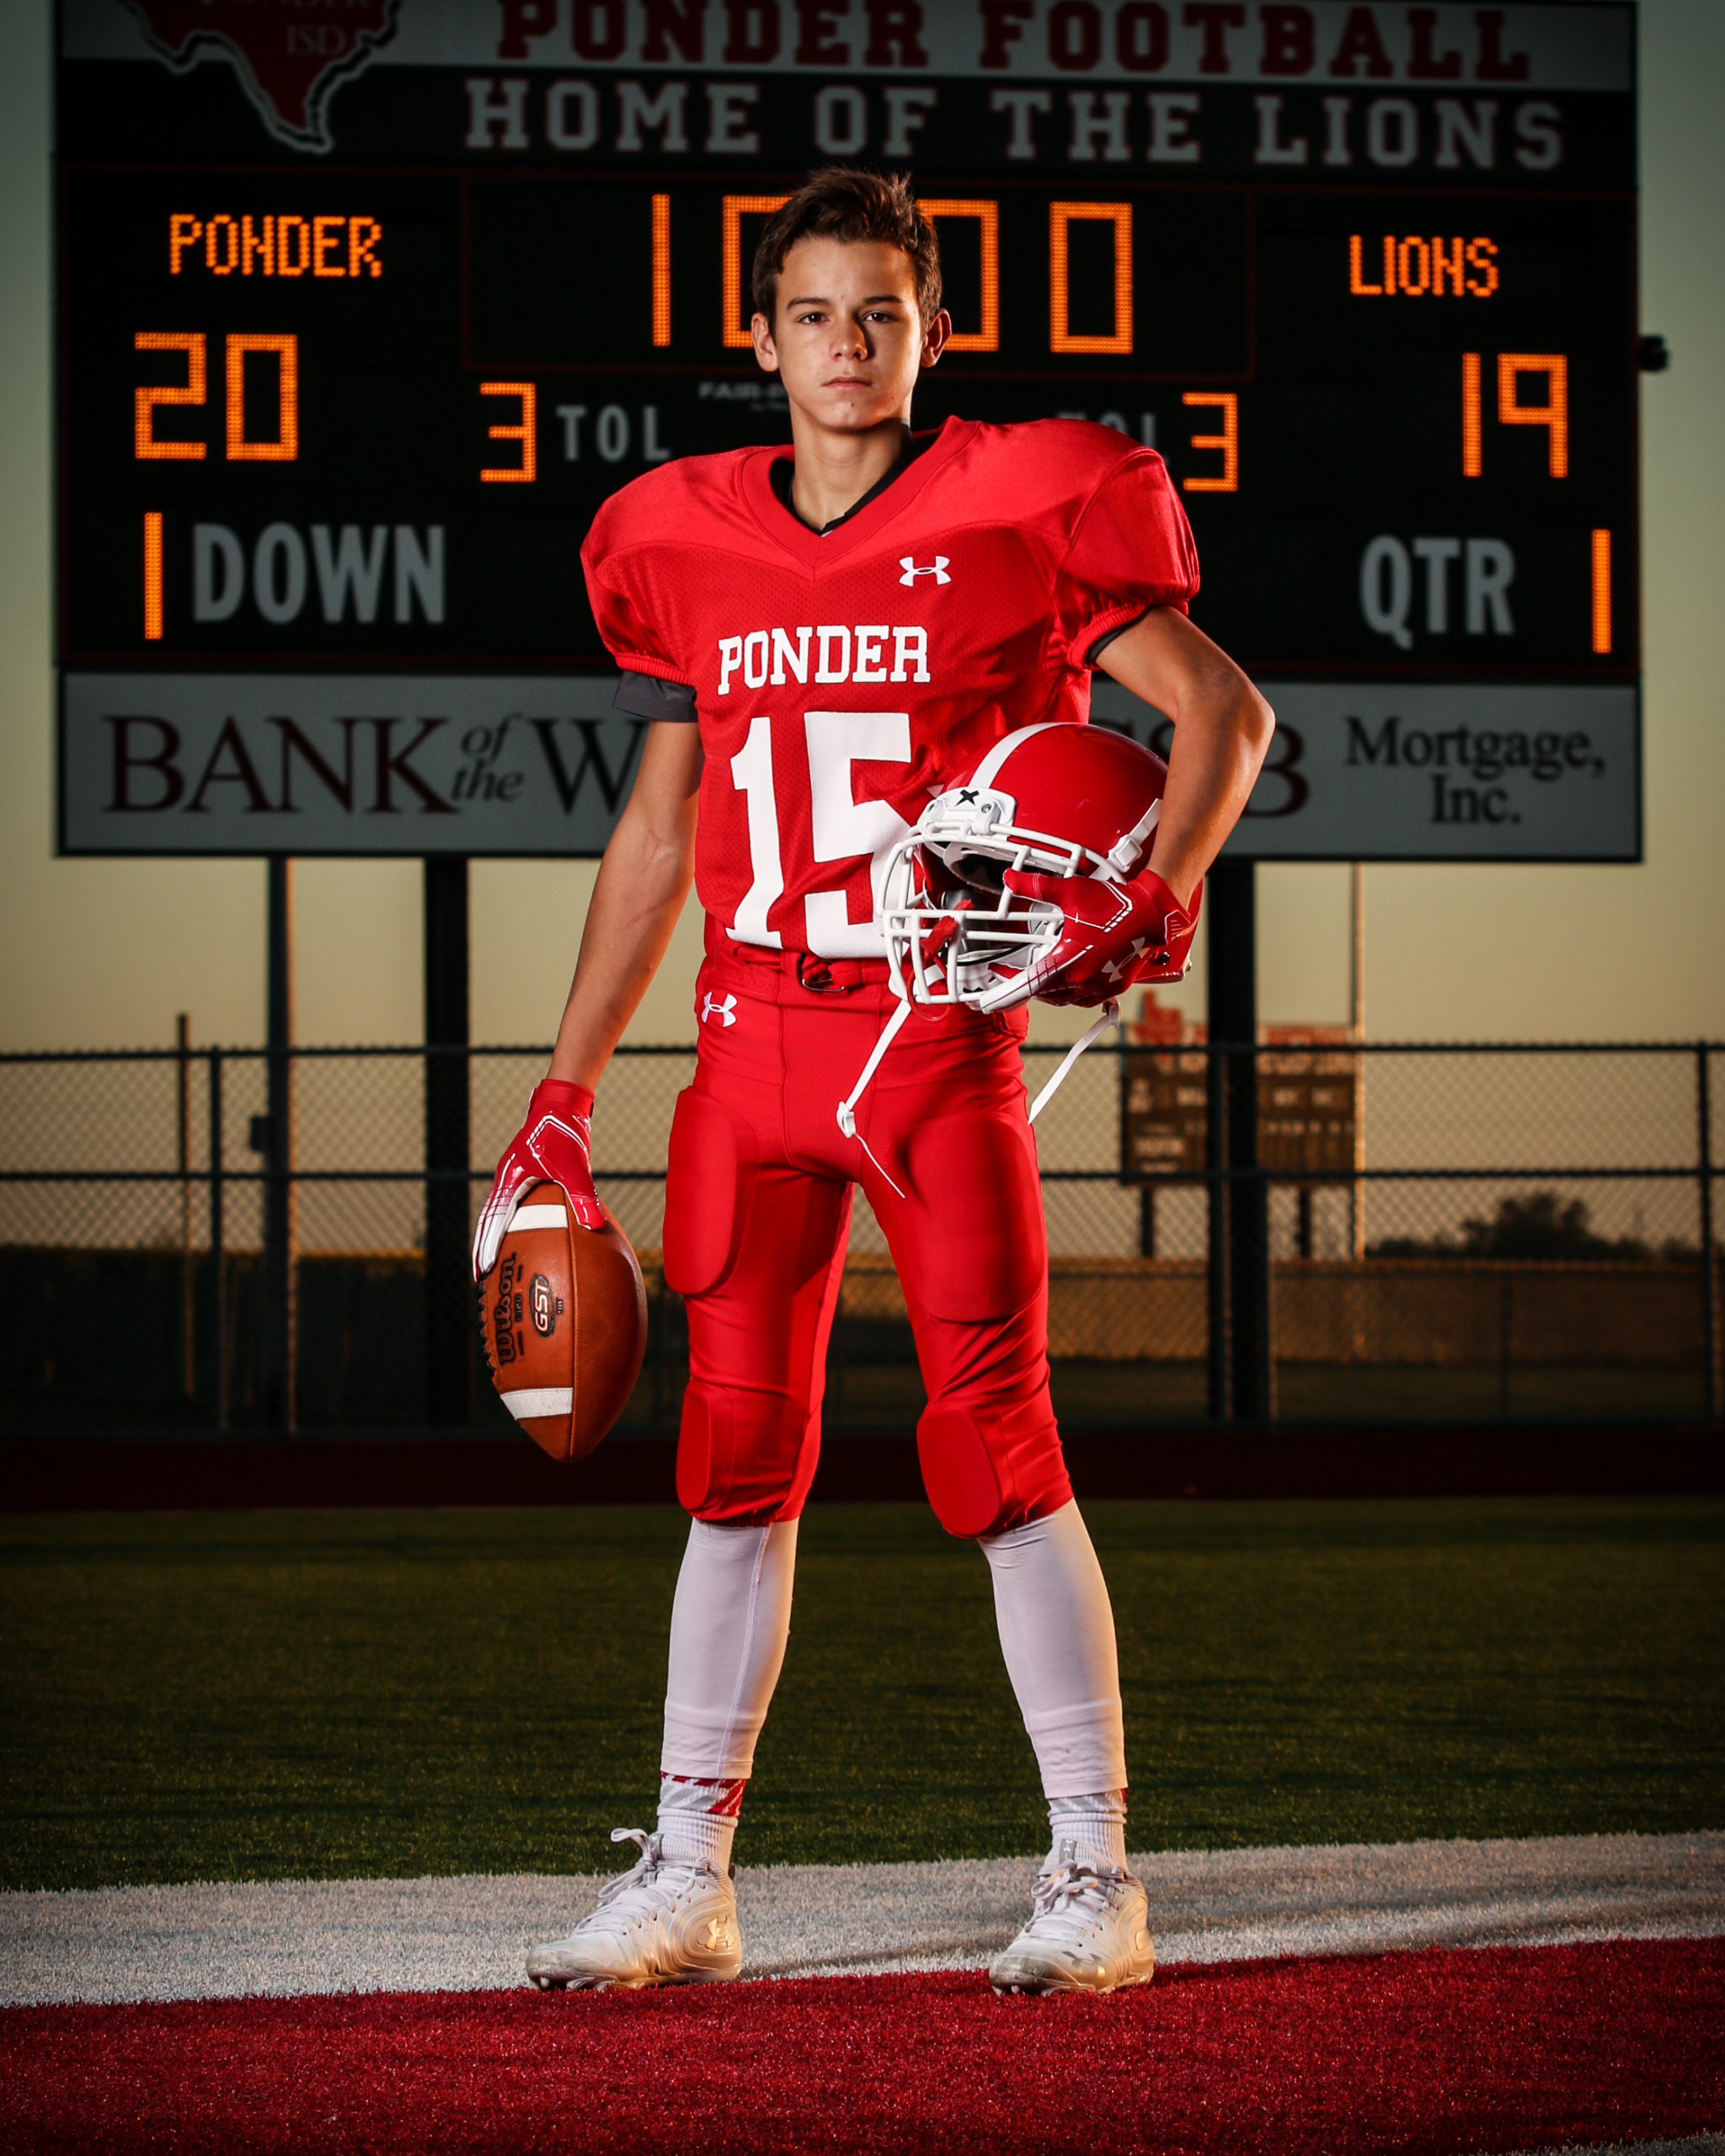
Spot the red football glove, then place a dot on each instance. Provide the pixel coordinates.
(1113, 936)
(554, 1145)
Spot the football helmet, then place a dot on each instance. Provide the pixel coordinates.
(1050, 802)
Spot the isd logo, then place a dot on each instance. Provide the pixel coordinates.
(289, 59)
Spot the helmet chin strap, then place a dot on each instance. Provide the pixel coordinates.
(888, 1034)
(1124, 854)
(1110, 1017)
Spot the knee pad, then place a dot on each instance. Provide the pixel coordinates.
(744, 1455)
(986, 1468)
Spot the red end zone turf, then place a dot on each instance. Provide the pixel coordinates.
(1505, 2049)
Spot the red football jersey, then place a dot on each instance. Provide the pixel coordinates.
(843, 680)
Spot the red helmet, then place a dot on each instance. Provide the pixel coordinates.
(1057, 799)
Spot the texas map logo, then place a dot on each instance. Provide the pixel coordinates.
(289, 54)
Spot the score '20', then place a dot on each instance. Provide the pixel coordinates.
(282, 448)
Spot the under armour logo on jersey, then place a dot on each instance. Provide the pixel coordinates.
(907, 563)
(724, 1008)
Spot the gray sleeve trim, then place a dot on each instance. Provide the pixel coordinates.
(645, 696)
(1102, 643)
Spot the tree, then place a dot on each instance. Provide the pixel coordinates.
(1538, 1228)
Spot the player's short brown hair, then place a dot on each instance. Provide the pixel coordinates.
(840, 203)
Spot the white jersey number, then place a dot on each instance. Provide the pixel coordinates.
(843, 828)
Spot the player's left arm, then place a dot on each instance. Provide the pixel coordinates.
(1222, 730)
(1114, 935)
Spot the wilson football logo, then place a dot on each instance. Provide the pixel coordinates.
(503, 1337)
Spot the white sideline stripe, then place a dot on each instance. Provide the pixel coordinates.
(282, 1938)
(538, 1216)
(1696, 2144)
(539, 1400)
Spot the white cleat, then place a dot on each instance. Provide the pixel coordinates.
(1089, 1930)
(659, 1922)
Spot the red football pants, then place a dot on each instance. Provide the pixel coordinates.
(757, 1209)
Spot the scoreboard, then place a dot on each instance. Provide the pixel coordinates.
(365, 305)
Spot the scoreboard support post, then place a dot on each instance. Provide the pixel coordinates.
(1710, 1262)
(280, 1283)
(1241, 1373)
(449, 1317)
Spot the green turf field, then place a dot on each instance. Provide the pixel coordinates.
(249, 1695)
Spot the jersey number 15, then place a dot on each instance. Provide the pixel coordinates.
(841, 827)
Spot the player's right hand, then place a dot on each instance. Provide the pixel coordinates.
(554, 1145)
(1113, 935)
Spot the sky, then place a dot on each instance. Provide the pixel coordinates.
(105, 954)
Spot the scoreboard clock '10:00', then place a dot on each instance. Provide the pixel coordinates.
(363, 309)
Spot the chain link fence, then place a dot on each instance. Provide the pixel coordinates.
(229, 1239)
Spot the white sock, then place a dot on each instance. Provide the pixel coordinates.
(1057, 1636)
(1096, 1823)
(697, 1820)
(728, 1626)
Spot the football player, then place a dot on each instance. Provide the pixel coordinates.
(822, 638)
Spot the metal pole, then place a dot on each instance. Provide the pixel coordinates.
(188, 1272)
(449, 1295)
(1710, 1269)
(1251, 1344)
(1356, 890)
(218, 1256)
(1221, 1368)
(1230, 901)
(281, 1239)
(1506, 1335)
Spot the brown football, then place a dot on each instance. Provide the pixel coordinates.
(565, 1316)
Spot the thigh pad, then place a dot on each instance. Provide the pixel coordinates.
(974, 1245)
(707, 1185)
